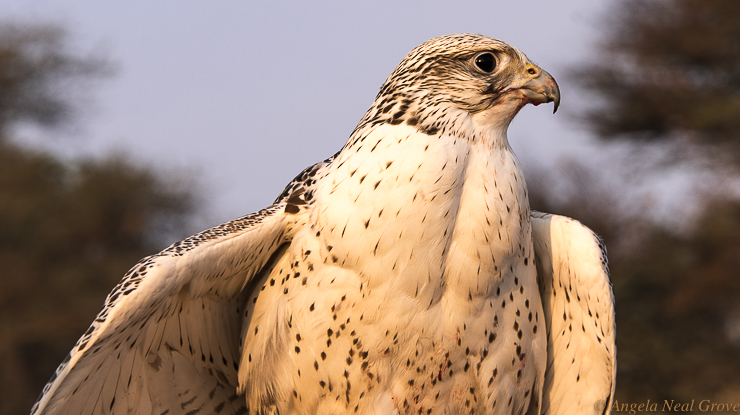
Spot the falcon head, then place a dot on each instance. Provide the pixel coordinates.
(454, 79)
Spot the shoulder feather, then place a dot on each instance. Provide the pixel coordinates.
(573, 275)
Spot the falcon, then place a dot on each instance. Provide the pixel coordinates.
(406, 274)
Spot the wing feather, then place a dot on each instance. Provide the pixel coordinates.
(578, 303)
(167, 340)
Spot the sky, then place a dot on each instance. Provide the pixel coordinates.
(242, 96)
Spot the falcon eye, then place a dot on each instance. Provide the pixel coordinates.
(485, 62)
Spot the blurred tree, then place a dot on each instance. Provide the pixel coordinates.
(68, 230)
(40, 78)
(670, 70)
(678, 301)
(670, 73)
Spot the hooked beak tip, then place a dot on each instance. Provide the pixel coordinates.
(554, 93)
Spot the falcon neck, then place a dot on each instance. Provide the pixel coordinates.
(428, 203)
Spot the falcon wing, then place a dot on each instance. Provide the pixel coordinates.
(578, 303)
(168, 338)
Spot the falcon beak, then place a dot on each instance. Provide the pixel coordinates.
(541, 87)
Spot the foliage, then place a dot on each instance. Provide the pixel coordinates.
(68, 230)
(678, 296)
(670, 70)
(39, 77)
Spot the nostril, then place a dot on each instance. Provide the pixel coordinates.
(532, 71)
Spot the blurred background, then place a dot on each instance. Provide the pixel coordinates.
(126, 127)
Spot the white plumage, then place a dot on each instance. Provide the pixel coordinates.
(405, 274)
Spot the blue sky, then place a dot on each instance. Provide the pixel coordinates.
(243, 96)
